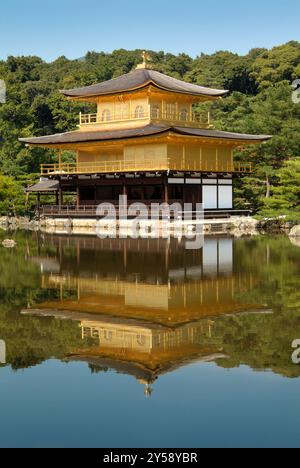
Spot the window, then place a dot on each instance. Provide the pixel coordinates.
(175, 192)
(210, 257)
(155, 111)
(225, 255)
(141, 340)
(153, 192)
(108, 335)
(183, 114)
(106, 117)
(171, 111)
(135, 192)
(95, 333)
(86, 332)
(139, 112)
(209, 181)
(225, 197)
(87, 194)
(109, 193)
(210, 199)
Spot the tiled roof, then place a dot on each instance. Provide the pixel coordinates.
(139, 79)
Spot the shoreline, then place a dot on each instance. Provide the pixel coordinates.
(237, 226)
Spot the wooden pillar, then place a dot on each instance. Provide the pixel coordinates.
(59, 161)
(39, 200)
(166, 194)
(60, 251)
(78, 253)
(56, 198)
(95, 194)
(60, 197)
(77, 194)
(125, 257)
(61, 290)
(124, 187)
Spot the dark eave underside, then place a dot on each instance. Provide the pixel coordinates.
(138, 79)
(149, 130)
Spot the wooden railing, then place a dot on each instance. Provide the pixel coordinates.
(150, 113)
(103, 167)
(91, 210)
(210, 166)
(121, 166)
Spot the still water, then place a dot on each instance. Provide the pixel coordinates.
(142, 343)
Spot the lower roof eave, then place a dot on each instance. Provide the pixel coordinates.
(147, 174)
(71, 139)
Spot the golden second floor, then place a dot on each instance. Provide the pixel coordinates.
(162, 156)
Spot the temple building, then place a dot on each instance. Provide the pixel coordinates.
(146, 141)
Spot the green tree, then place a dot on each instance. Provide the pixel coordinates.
(285, 199)
(11, 196)
(278, 64)
(259, 102)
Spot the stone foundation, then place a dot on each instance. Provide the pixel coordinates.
(237, 226)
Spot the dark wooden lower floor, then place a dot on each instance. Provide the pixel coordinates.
(213, 191)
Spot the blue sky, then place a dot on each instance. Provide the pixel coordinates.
(51, 28)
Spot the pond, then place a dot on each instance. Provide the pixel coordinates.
(142, 343)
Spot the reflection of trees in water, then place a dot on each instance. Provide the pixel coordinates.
(276, 264)
(264, 341)
(31, 340)
(16, 271)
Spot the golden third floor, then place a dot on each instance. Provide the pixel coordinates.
(136, 110)
(143, 95)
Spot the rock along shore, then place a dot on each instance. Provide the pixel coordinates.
(237, 226)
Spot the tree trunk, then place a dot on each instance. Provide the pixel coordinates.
(268, 185)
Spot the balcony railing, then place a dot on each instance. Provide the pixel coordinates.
(151, 113)
(146, 165)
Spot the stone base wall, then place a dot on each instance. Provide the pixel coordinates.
(237, 226)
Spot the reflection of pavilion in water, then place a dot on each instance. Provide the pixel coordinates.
(142, 349)
(147, 306)
(147, 280)
(2, 352)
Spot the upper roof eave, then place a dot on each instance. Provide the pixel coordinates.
(139, 79)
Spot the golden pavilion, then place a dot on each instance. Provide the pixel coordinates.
(145, 141)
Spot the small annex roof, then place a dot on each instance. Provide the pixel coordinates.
(138, 79)
(149, 130)
(45, 185)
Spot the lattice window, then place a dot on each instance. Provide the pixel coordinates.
(139, 112)
(155, 112)
(141, 339)
(106, 115)
(183, 114)
(171, 111)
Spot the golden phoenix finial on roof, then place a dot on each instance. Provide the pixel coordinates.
(146, 59)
